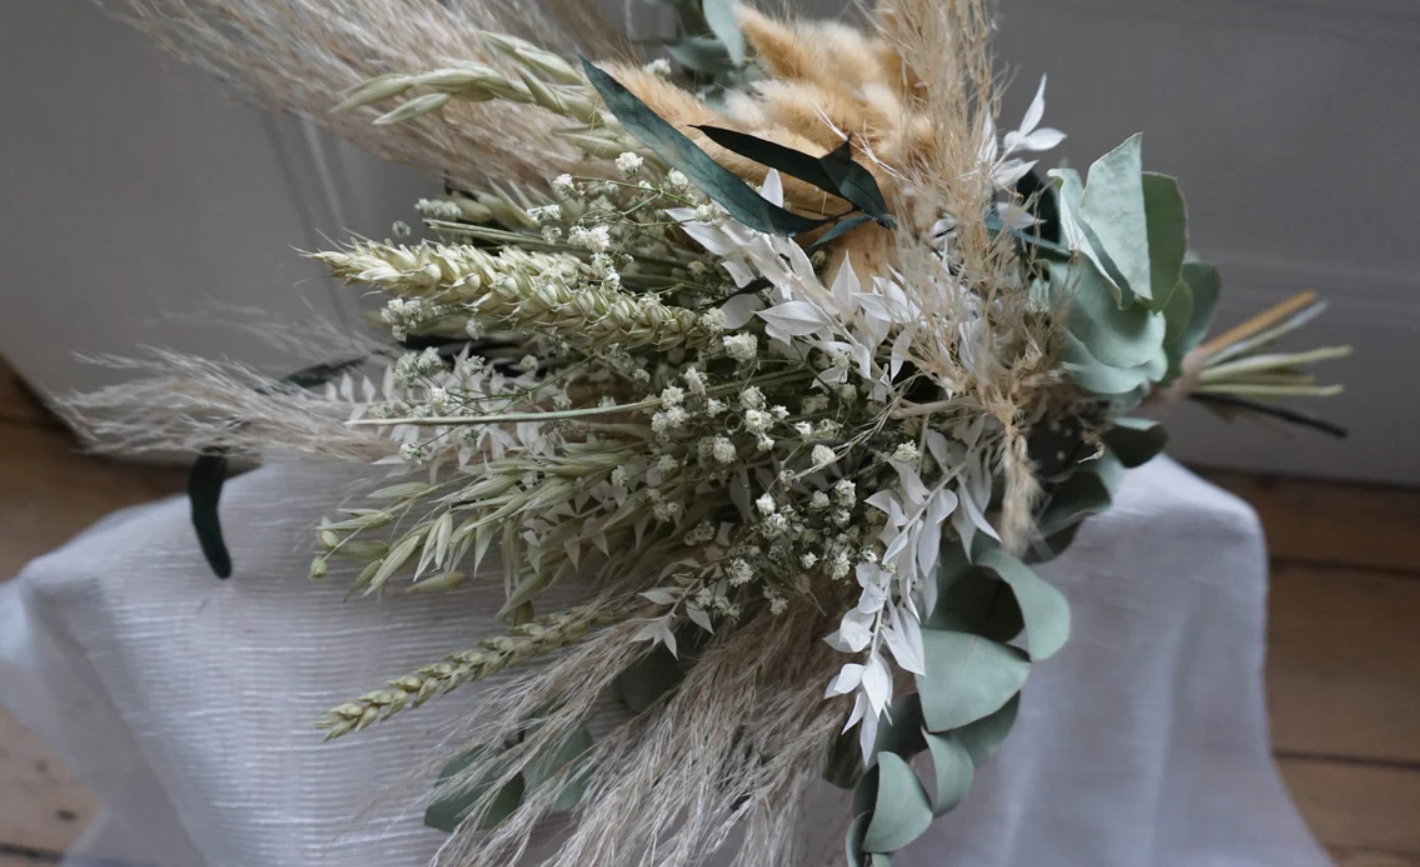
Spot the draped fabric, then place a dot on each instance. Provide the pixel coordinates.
(187, 703)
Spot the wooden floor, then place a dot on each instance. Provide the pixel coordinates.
(1343, 674)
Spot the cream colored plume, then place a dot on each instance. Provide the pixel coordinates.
(300, 55)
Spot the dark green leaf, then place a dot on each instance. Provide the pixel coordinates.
(209, 471)
(839, 229)
(319, 374)
(953, 770)
(1044, 608)
(996, 225)
(901, 811)
(572, 751)
(713, 179)
(844, 765)
(204, 492)
(1168, 234)
(855, 183)
(983, 737)
(835, 172)
(446, 812)
(1072, 501)
(1136, 441)
(643, 683)
(968, 677)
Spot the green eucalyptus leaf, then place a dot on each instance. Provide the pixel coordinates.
(571, 752)
(643, 682)
(1095, 376)
(1136, 441)
(834, 173)
(968, 677)
(853, 841)
(902, 810)
(713, 179)
(1178, 314)
(701, 54)
(720, 17)
(1112, 211)
(1204, 285)
(1168, 235)
(1069, 190)
(982, 738)
(1122, 337)
(953, 770)
(1043, 606)
(971, 599)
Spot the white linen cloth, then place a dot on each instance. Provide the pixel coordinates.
(187, 702)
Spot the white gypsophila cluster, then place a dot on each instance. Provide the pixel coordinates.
(862, 334)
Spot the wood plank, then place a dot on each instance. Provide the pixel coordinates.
(1343, 669)
(17, 402)
(49, 490)
(1333, 523)
(1347, 856)
(42, 806)
(1359, 806)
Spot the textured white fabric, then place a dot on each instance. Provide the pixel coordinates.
(187, 702)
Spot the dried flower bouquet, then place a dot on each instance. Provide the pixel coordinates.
(784, 352)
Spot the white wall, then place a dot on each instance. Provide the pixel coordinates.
(130, 186)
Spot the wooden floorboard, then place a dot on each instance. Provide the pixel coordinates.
(1343, 674)
(49, 491)
(17, 402)
(1334, 524)
(1348, 856)
(42, 806)
(1358, 806)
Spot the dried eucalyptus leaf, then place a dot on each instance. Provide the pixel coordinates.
(1043, 606)
(1167, 224)
(953, 770)
(901, 811)
(982, 738)
(968, 677)
(1123, 337)
(1112, 210)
